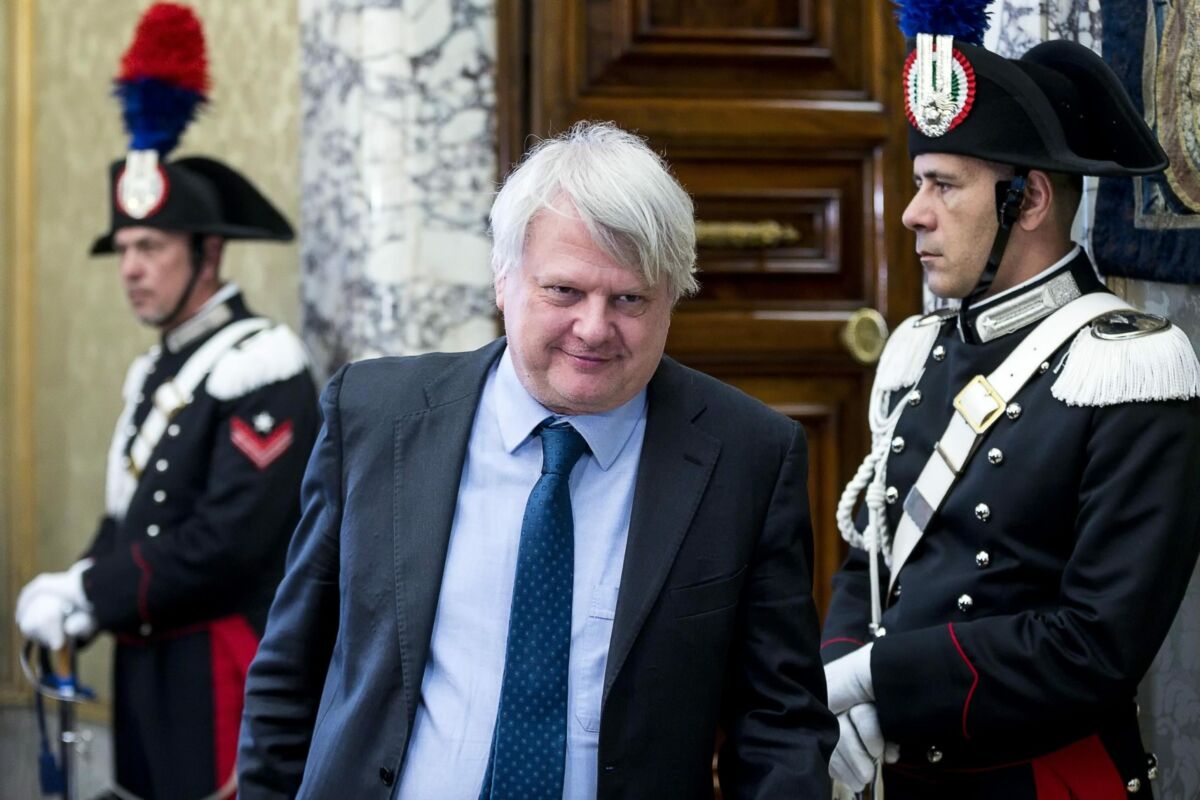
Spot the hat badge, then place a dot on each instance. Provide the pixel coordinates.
(142, 185)
(939, 85)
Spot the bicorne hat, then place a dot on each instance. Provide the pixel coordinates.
(1058, 108)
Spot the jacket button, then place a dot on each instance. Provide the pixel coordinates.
(153, 530)
(934, 755)
(914, 397)
(965, 602)
(145, 629)
(387, 776)
(160, 496)
(1043, 367)
(1013, 410)
(1134, 786)
(982, 512)
(1152, 766)
(172, 429)
(939, 353)
(891, 495)
(161, 465)
(995, 457)
(982, 559)
(898, 444)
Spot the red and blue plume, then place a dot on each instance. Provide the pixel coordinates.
(965, 20)
(164, 77)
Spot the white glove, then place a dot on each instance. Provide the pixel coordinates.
(859, 747)
(80, 625)
(40, 618)
(849, 680)
(46, 602)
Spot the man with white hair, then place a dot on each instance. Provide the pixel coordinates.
(552, 567)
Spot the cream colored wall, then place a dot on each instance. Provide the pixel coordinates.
(85, 336)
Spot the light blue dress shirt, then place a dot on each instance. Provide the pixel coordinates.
(460, 690)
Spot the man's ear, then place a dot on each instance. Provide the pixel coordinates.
(1036, 209)
(498, 286)
(211, 248)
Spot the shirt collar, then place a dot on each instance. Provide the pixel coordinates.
(520, 414)
(212, 315)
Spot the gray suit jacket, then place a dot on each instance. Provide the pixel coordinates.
(715, 624)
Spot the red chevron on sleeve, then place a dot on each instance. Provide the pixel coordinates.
(262, 450)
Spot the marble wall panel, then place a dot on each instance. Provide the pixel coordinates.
(398, 167)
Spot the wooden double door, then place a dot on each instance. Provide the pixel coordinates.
(784, 120)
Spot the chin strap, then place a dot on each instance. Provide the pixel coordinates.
(196, 254)
(1009, 197)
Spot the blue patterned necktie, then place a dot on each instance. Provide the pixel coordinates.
(529, 744)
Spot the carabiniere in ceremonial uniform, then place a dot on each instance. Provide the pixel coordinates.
(1032, 478)
(207, 457)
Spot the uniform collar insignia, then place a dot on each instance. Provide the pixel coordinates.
(212, 315)
(1025, 305)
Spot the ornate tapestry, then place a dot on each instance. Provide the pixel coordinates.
(1151, 225)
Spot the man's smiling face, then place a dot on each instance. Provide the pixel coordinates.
(586, 333)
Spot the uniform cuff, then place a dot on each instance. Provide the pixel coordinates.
(924, 685)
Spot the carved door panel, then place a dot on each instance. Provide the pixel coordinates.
(784, 120)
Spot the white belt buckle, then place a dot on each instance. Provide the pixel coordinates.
(979, 404)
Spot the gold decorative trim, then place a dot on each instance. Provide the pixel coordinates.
(21, 367)
(746, 235)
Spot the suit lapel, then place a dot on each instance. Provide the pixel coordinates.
(430, 448)
(676, 464)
